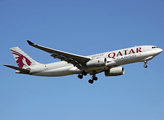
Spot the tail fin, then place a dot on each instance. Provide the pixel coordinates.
(22, 59)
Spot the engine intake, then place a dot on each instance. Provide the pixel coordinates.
(96, 62)
(115, 71)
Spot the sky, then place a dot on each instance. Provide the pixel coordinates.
(83, 27)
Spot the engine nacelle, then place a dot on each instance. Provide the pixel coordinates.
(96, 62)
(114, 71)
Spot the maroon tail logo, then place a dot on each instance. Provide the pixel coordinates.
(21, 60)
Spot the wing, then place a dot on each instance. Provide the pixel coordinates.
(77, 60)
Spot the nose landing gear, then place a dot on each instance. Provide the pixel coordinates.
(145, 66)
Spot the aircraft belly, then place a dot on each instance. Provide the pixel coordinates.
(96, 69)
(63, 71)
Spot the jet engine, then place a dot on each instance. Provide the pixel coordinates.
(114, 71)
(96, 62)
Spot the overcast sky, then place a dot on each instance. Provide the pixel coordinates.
(83, 27)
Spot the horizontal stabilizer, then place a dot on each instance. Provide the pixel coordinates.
(17, 68)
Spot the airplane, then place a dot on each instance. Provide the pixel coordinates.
(108, 62)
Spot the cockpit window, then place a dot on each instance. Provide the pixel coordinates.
(154, 47)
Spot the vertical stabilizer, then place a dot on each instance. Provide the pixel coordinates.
(22, 59)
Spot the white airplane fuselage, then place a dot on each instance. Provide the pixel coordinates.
(107, 62)
(104, 61)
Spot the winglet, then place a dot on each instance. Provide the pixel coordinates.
(30, 43)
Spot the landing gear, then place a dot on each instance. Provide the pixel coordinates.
(93, 78)
(90, 81)
(145, 66)
(84, 73)
(80, 76)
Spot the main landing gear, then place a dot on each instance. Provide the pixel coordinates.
(80, 76)
(145, 66)
(94, 78)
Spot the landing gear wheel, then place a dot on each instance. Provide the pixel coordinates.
(95, 78)
(145, 66)
(80, 76)
(90, 81)
(84, 73)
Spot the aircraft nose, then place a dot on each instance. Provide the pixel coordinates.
(160, 50)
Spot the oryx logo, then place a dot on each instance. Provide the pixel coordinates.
(20, 59)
